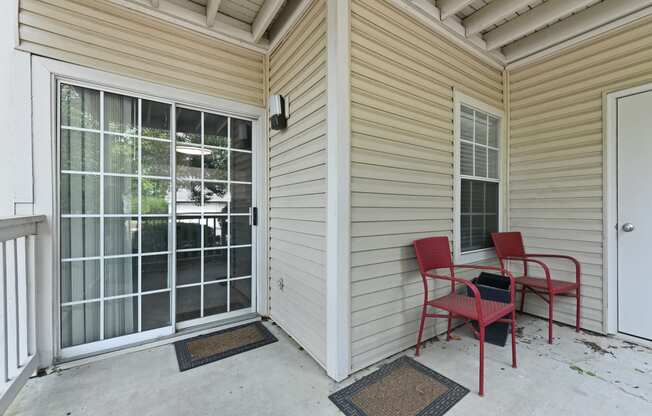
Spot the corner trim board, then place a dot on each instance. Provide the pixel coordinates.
(338, 221)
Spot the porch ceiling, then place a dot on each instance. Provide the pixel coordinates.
(246, 21)
(513, 29)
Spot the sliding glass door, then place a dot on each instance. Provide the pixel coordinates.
(213, 215)
(151, 197)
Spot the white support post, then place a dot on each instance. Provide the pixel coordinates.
(338, 268)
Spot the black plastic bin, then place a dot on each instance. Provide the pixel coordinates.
(493, 287)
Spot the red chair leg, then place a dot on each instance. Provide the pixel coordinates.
(423, 321)
(448, 331)
(514, 338)
(578, 310)
(522, 299)
(550, 311)
(482, 361)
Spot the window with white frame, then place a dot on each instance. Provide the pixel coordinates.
(479, 178)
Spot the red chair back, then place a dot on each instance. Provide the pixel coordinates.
(433, 253)
(509, 244)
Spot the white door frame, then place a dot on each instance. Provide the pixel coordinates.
(45, 73)
(610, 214)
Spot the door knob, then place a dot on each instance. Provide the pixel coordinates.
(628, 227)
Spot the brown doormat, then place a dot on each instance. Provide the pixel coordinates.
(205, 349)
(401, 388)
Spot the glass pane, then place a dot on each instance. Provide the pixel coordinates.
(120, 114)
(494, 164)
(188, 303)
(491, 226)
(120, 154)
(154, 272)
(188, 126)
(80, 194)
(188, 232)
(215, 298)
(155, 158)
(240, 294)
(494, 131)
(466, 124)
(80, 280)
(120, 276)
(80, 151)
(216, 165)
(466, 158)
(241, 167)
(240, 198)
(480, 128)
(240, 230)
(477, 197)
(155, 311)
(188, 196)
(188, 267)
(481, 161)
(215, 198)
(120, 195)
(80, 237)
(241, 134)
(465, 232)
(155, 235)
(215, 130)
(465, 193)
(80, 107)
(120, 317)
(477, 232)
(120, 236)
(189, 162)
(215, 265)
(240, 262)
(215, 231)
(491, 198)
(155, 198)
(156, 119)
(80, 324)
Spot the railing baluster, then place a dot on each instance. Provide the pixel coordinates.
(30, 266)
(17, 300)
(5, 327)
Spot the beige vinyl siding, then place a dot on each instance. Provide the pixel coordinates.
(107, 37)
(297, 194)
(556, 155)
(402, 83)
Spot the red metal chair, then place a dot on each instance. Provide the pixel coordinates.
(434, 253)
(509, 246)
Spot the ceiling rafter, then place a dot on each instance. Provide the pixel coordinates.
(598, 15)
(491, 14)
(448, 8)
(265, 17)
(527, 23)
(212, 7)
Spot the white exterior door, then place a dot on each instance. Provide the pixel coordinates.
(635, 215)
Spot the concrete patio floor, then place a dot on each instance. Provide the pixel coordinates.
(580, 374)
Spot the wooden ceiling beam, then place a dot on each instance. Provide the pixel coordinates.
(536, 18)
(491, 14)
(212, 7)
(264, 18)
(448, 8)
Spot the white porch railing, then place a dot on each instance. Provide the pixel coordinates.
(18, 357)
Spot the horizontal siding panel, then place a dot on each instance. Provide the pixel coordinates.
(297, 185)
(106, 37)
(402, 78)
(556, 155)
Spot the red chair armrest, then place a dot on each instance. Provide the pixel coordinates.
(474, 289)
(543, 265)
(578, 267)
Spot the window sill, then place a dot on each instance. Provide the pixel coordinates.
(475, 256)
